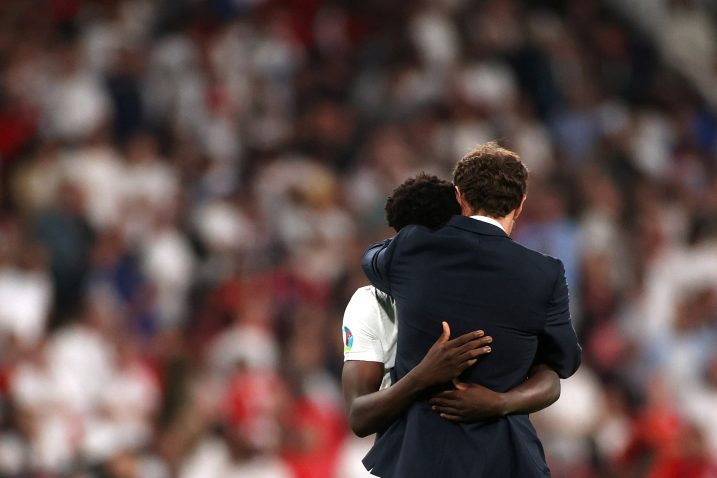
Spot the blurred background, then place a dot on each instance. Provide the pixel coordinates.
(187, 186)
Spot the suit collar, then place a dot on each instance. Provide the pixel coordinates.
(489, 220)
(475, 226)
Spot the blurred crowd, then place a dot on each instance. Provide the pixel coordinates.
(187, 187)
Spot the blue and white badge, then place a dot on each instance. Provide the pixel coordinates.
(348, 339)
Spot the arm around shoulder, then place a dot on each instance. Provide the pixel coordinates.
(375, 264)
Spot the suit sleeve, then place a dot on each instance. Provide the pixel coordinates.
(376, 263)
(558, 346)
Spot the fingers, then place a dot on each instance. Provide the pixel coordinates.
(447, 405)
(445, 395)
(476, 344)
(459, 385)
(446, 334)
(473, 354)
(445, 409)
(444, 402)
(465, 338)
(470, 358)
(451, 418)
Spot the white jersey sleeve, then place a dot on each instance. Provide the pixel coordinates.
(362, 328)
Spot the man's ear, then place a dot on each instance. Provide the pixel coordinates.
(519, 209)
(465, 209)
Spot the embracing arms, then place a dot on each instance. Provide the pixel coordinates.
(470, 402)
(558, 356)
(371, 410)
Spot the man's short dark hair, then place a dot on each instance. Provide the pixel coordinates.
(492, 179)
(424, 200)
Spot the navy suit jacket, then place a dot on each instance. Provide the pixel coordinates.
(472, 275)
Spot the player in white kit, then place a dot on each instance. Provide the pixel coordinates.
(370, 337)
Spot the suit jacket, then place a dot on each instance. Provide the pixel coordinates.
(472, 275)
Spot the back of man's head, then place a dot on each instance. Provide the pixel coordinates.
(491, 179)
(423, 200)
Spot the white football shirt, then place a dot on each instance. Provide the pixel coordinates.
(370, 329)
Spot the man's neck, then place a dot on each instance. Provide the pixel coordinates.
(506, 222)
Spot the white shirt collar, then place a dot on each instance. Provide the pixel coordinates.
(489, 220)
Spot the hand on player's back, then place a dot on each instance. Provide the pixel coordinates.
(469, 402)
(447, 359)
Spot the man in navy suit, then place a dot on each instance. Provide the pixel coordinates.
(472, 274)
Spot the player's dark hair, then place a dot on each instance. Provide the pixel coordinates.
(424, 200)
(492, 180)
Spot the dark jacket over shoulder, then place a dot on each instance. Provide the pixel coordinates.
(472, 275)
